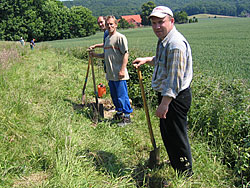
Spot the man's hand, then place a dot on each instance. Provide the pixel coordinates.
(91, 47)
(142, 60)
(162, 109)
(91, 53)
(121, 74)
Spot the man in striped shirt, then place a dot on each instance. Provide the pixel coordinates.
(171, 79)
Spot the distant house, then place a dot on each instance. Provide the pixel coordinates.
(133, 19)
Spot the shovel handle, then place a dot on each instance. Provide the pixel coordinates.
(85, 81)
(146, 108)
(93, 76)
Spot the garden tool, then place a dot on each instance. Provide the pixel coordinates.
(86, 79)
(154, 158)
(98, 107)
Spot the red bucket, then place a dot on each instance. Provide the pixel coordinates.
(101, 90)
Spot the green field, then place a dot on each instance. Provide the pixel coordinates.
(47, 141)
(219, 46)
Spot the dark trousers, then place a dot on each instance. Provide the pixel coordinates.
(174, 132)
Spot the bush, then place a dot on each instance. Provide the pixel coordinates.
(220, 115)
(133, 83)
(77, 52)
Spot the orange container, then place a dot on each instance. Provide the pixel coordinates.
(101, 90)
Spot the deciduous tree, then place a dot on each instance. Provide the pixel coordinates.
(146, 11)
(82, 22)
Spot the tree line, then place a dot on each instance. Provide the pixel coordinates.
(179, 16)
(227, 8)
(128, 7)
(44, 20)
(47, 20)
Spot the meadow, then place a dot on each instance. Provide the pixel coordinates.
(48, 141)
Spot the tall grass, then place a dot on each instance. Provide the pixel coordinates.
(47, 142)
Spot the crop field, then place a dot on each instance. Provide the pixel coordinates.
(219, 46)
(48, 139)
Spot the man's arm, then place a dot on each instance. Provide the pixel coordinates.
(124, 65)
(142, 60)
(172, 82)
(96, 46)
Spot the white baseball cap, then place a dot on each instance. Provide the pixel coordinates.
(161, 12)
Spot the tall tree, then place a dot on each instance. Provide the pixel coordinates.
(19, 19)
(146, 11)
(181, 17)
(55, 19)
(43, 20)
(82, 22)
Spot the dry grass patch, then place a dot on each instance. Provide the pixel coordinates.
(32, 180)
(209, 16)
(10, 52)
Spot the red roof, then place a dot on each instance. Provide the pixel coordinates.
(132, 18)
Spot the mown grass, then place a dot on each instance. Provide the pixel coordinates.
(46, 142)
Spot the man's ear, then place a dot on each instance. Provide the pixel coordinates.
(172, 20)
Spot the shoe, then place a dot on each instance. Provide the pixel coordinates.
(166, 183)
(117, 117)
(125, 121)
(187, 174)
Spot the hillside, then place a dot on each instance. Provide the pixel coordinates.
(120, 7)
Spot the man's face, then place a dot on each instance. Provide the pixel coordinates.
(162, 26)
(101, 23)
(111, 25)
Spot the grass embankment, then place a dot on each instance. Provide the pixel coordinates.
(46, 142)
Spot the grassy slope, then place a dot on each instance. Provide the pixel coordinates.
(51, 144)
(46, 143)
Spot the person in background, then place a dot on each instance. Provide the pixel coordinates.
(172, 77)
(116, 60)
(22, 41)
(32, 44)
(101, 20)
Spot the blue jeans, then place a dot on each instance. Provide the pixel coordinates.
(119, 95)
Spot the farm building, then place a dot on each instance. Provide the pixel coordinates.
(133, 19)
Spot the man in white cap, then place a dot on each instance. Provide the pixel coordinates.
(171, 79)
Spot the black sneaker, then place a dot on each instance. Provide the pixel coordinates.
(117, 117)
(166, 183)
(125, 121)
